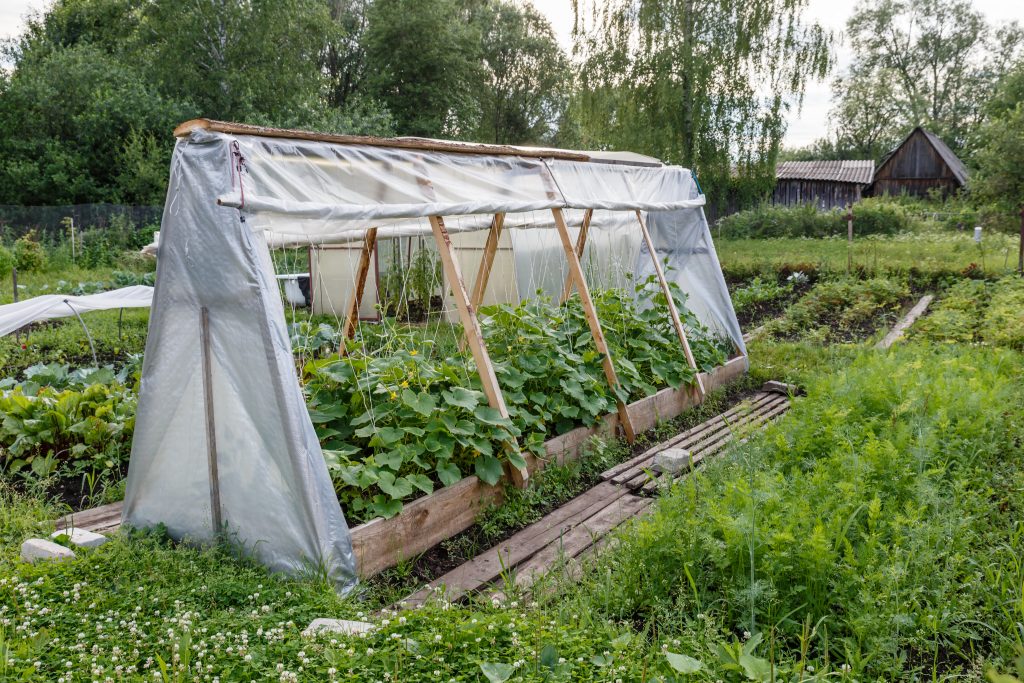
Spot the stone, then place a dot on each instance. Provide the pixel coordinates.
(342, 626)
(36, 549)
(83, 538)
(672, 461)
(776, 387)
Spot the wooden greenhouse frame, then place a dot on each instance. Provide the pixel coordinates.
(380, 543)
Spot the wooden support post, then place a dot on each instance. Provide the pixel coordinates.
(576, 272)
(849, 240)
(1020, 251)
(673, 311)
(211, 431)
(14, 287)
(475, 339)
(490, 250)
(348, 330)
(581, 242)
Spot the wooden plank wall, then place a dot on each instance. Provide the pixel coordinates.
(915, 169)
(824, 194)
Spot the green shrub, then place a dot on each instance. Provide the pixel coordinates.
(758, 291)
(871, 216)
(6, 262)
(978, 311)
(29, 254)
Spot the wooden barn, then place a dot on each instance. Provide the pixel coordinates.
(919, 164)
(826, 184)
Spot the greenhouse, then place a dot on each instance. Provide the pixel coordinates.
(602, 261)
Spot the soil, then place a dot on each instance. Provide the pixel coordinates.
(74, 491)
(756, 314)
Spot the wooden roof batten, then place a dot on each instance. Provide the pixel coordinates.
(414, 143)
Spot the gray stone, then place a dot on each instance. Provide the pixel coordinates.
(35, 549)
(81, 537)
(672, 461)
(346, 628)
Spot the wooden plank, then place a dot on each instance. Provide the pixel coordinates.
(709, 449)
(677, 323)
(188, 127)
(91, 519)
(211, 423)
(900, 328)
(581, 537)
(488, 565)
(348, 330)
(581, 243)
(714, 423)
(474, 338)
(576, 270)
(704, 439)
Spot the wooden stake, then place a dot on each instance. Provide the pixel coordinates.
(490, 250)
(1020, 252)
(211, 431)
(849, 240)
(581, 242)
(348, 330)
(14, 286)
(475, 339)
(486, 263)
(576, 272)
(673, 311)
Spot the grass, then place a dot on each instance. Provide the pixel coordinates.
(925, 252)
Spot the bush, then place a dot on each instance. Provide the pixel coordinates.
(870, 217)
(6, 261)
(29, 254)
(976, 311)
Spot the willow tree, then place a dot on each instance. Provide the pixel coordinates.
(703, 83)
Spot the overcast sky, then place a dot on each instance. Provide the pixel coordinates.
(804, 127)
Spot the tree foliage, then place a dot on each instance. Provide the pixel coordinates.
(918, 62)
(704, 83)
(1000, 158)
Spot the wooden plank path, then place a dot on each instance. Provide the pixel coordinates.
(579, 527)
(900, 328)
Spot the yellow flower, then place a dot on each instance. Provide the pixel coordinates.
(394, 395)
(404, 384)
(413, 352)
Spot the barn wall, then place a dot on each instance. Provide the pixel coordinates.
(822, 193)
(915, 169)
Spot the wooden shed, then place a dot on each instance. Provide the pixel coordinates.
(919, 164)
(826, 184)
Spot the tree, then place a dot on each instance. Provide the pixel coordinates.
(919, 62)
(423, 61)
(527, 76)
(1000, 159)
(704, 83)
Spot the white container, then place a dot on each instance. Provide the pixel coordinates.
(977, 234)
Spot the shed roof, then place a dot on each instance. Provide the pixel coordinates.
(859, 171)
(956, 167)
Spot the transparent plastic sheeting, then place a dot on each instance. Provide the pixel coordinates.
(49, 306)
(228, 195)
(277, 499)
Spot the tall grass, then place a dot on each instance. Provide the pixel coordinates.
(877, 532)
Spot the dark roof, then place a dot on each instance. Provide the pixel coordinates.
(858, 171)
(951, 160)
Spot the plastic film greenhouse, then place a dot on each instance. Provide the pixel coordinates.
(471, 305)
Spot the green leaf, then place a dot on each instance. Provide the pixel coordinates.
(684, 664)
(622, 641)
(396, 487)
(756, 668)
(421, 481)
(448, 473)
(463, 397)
(516, 459)
(549, 656)
(423, 403)
(488, 468)
(387, 436)
(497, 673)
(491, 416)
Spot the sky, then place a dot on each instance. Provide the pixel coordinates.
(804, 126)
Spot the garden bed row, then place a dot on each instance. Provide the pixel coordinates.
(382, 543)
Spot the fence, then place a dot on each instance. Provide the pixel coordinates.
(48, 221)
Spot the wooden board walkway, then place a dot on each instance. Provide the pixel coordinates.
(577, 528)
(900, 328)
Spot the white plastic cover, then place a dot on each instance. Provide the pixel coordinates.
(229, 194)
(276, 496)
(49, 306)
